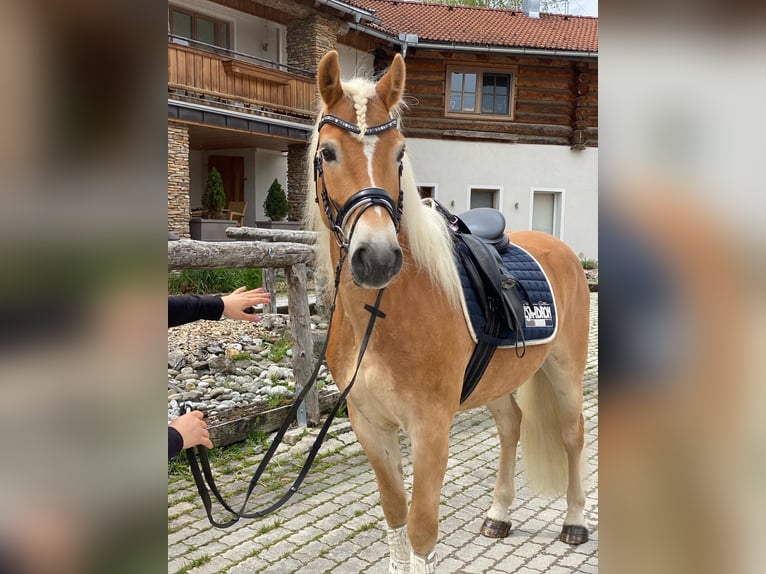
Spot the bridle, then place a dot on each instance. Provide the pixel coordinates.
(339, 216)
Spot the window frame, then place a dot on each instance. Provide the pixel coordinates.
(194, 16)
(511, 71)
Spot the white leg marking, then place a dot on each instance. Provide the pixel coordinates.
(398, 550)
(423, 564)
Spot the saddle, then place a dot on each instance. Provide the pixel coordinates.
(479, 239)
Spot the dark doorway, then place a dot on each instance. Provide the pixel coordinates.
(232, 170)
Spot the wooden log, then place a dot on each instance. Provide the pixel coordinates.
(191, 254)
(260, 234)
(303, 344)
(242, 422)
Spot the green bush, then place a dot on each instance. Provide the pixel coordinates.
(213, 281)
(276, 206)
(214, 197)
(588, 263)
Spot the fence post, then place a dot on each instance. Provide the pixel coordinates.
(270, 285)
(303, 344)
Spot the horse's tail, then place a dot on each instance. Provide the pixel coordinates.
(541, 436)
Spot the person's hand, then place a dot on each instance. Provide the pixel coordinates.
(193, 429)
(235, 303)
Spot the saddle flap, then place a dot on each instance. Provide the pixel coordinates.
(497, 285)
(487, 223)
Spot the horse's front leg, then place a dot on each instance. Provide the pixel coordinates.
(381, 443)
(430, 451)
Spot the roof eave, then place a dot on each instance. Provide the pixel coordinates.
(480, 48)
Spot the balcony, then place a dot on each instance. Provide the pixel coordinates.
(224, 77)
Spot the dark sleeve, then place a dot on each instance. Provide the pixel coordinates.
(187, 308)
(175, 442)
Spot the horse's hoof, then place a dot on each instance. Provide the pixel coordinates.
(574, 534)
(495, 528)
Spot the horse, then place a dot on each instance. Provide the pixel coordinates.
(364, 204)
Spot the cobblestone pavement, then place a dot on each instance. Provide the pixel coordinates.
(335, 523)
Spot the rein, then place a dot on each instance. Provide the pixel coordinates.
(199, 463)
(201, 471)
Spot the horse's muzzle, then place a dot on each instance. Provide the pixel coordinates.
(373, 265)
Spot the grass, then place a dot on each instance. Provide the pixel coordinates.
(243, 356)
(204, 559)
(222, 456)
(279, 350)
(212, 281)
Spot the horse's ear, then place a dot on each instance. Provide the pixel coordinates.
(328, 78)
(391, 85)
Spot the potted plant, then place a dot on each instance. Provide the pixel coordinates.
(214, 197)
(275, 206)
(212, 225)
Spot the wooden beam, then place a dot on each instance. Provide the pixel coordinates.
(191, 254)
(283, 235)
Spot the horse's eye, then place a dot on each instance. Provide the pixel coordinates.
(400, 157)
(327, 154)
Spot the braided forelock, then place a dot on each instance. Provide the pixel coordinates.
(360, 107)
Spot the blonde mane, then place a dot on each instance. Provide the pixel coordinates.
(423, 229)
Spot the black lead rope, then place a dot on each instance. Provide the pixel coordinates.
(204, 478)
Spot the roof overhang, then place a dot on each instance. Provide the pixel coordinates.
(401, 40)
(217, 128)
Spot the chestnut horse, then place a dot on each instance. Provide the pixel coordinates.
(411, 375)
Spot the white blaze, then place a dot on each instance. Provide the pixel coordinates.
(369, 149)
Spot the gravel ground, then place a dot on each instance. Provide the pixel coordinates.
(222, 366)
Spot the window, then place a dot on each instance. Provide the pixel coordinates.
(199, 27)
(426, 191)
(483, 197)
(479, 92)
(547, 211)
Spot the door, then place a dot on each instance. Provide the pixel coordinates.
(232, 170)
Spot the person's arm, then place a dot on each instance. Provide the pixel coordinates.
(187, 308)
(175, 442)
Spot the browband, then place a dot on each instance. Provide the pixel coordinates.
(349, 127)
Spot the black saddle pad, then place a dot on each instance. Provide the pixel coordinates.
(539, 321)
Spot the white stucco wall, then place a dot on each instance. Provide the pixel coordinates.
(454, 167)
(354, 62)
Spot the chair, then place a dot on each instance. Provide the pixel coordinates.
(237, 212)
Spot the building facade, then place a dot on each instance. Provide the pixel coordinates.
(502, 105)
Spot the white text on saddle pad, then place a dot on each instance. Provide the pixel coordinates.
(538, 315)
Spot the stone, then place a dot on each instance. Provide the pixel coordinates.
(176, 360)
(221, 364)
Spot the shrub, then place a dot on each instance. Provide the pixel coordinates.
(212, 281)
(214, 197)
(275, 206)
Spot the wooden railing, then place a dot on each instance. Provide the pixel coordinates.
(232, 79)
(261, 249)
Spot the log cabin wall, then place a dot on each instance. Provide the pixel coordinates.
(554, 101)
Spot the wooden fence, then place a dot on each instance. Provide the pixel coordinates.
(267, 249)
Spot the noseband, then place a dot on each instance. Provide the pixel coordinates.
(361, 201)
